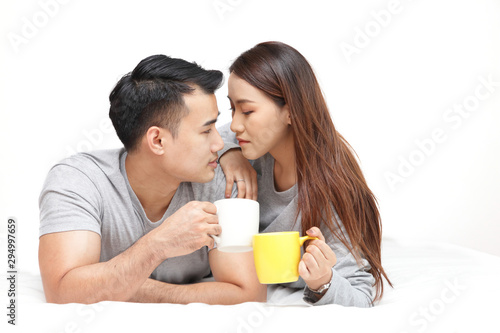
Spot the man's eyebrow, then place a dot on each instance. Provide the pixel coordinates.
(210, 122)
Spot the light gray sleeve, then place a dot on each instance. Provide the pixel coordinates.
(228, 137)
(350, 285)
(69, 201)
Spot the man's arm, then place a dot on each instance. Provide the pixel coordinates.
(235, 282)
(71, 271)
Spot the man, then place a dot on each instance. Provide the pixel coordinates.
(134, 224)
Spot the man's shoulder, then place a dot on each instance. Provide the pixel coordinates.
(99, 168)
(77, 190)
(99, 161)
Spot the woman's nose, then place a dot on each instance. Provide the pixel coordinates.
(236, 124)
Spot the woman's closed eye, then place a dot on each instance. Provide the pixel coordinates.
(233, 110)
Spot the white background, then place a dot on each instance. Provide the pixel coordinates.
(59, 64)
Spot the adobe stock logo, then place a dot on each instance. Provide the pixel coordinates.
(255, 320)
(224, 6)
(31, 26)
(93, 138)
(430, 313)
(454, 117)
(372, 29)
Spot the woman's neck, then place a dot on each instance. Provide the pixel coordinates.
(285, 172)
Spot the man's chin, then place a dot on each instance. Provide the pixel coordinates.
(208, 177)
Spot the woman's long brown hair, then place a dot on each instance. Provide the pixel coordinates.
(328, 175)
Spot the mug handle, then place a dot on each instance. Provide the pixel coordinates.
(304, 238)
(216, 240)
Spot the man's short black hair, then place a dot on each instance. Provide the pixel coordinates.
(152, 95)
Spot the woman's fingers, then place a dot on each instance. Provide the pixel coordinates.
(242, 187)
(315, 232)
(238, 170)
(229, 186)
(317, 262)
(250, 180)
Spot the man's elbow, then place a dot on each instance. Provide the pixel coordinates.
(51, 291)
(54, 291)
(57, 297)
(52, 298)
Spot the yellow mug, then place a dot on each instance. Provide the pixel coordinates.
(277, 256)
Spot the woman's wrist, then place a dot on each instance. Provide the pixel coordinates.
(313, 295)
(316, 284)
(228, 152)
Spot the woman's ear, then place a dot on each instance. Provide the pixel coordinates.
(287, 110)
(156, 139)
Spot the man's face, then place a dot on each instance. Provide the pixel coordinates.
(192, 155)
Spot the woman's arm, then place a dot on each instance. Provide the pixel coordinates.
(235, 282)
(350, 285)
(236, 167)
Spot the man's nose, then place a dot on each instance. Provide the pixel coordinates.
(218, 143)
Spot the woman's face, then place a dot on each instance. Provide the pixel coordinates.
(260, 125)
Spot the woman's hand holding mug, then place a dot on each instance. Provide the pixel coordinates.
(315, 268)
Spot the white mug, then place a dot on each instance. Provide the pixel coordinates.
(239, 220)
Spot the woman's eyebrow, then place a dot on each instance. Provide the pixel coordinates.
(243, 100)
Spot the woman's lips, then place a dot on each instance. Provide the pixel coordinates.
(243, 142)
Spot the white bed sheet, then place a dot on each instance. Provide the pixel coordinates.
(437, 288)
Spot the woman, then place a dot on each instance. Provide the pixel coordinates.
(308, 177)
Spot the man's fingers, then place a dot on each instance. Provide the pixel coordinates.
(209, 207)
(212, 219)
(210, 242)
(214, 229)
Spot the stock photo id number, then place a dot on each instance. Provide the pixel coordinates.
(11, 271)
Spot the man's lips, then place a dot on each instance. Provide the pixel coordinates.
(213, 163)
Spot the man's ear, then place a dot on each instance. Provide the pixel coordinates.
(157, 139)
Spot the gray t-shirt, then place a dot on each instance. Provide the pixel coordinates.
(352, 285)
(91, 191)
